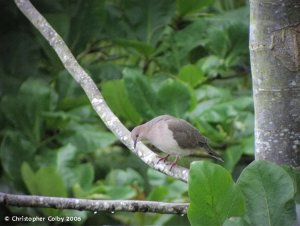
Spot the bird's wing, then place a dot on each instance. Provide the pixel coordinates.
(159, 118)
(185, 134)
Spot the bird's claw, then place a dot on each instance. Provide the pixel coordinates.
(163, 158)
(172, 165)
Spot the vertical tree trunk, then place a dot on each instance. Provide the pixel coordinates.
(275, 63)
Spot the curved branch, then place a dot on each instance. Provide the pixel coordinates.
(91, 90)
(93, 205)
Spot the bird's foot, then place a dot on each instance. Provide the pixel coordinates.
(163, 158)
(174, 163)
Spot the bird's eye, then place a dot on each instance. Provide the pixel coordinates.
(136, 135)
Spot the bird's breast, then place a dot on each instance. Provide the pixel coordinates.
(161, 137)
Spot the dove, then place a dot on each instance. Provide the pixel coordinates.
(172, 136)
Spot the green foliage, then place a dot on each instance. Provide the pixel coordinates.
(213, 195)
(139, 91)
(191, 75)
(172, 97)
(264, 194)
(117, 99)
(269, 193)
(189, 6)
(185, 58)
(38, 183)
(71, 170)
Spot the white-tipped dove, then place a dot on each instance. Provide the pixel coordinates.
(173, 136)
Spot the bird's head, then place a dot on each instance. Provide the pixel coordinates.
(137, 134)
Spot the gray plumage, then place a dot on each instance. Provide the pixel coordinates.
(173, 136)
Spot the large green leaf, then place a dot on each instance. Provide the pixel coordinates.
(191, 74)
(213, 195)
(269, 193)
(46, 181)
(174, 98)
(116, 97)
(50, 183)
(140, 93)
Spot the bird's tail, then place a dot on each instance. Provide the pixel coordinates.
(212, 153)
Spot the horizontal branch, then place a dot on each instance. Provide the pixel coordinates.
(93, 205)
(93, 93)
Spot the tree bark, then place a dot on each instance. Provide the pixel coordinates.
(93, 205)
(275, 63)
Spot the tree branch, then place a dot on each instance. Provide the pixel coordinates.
(93, 205)
(91, 90)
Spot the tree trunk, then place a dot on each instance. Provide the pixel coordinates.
(275, 63)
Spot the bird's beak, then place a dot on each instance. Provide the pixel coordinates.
(134, 142)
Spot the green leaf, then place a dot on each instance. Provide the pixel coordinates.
(15, 150)
(116, 97)
(295, 175)
(212, 92)
(220, 112)
(105, 71)
(57, 119)
(174, 98)
(123, 192)
(49, 182)
(269, 193)
(191, 75)
(46, 181)
(33, 98)
(231, 156)
(28, 177)
(91, 16)
(122, 178)
(190, 6)
(176, 189)
(213, 195)
(236, 221)
(211, 65)
(158, 193)
(156, 178)
(248, 145)
(140, 93)
(208, 130)
(88, 138)
(147, 19)
(19, 54)
(142, 48)
(72, 171)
